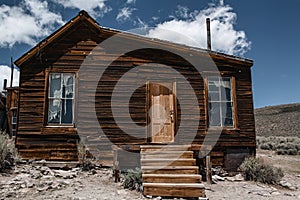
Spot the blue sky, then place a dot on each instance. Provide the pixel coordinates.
(266, 31)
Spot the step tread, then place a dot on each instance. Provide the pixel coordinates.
(167, 159)
(171, 175)
(166, 152)
(169, 167)
(161, 145)
(175, 185)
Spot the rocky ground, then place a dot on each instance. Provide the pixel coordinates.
(40, 182)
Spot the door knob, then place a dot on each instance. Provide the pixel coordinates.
(171, 114)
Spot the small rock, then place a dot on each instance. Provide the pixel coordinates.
(42, 189)
(45, 170)
(287, 185)
(229, 178)
(289, 194)
(218, 178)
(29, 184)
(121, 192)
(275, 193)
(65, 174)
(35, 174)
(261, 193)
(239, 177)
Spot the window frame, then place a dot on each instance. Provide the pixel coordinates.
(233, 102)
(47, 99)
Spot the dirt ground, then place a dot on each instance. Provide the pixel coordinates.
(35, 182)
(248, 190)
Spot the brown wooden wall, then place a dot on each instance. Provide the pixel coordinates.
(37, 141)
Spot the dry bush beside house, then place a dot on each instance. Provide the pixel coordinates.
(256, 169)
(133, 179)
(7, 152)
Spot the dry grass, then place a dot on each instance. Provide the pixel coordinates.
(281, 145)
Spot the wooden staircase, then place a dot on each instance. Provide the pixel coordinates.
(170, 171)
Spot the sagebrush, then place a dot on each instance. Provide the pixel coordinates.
(7, 152)
(281, 145)
(256, 169)
(132, 179)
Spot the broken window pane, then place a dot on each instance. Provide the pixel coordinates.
(68, 86)
(54, 111)
(55, 85)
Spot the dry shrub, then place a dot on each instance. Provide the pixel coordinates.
(281, 145)
(133, 179)
(256, 169)
(7, 152)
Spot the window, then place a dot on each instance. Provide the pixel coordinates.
(220, 102)
(61, 98)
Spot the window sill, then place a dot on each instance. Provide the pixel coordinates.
(60, 126)
(224, 129)
(50, 129)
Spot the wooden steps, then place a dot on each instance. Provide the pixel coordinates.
(170, 171)
(172, 178)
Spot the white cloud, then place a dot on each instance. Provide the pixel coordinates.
(93, 7)
(184, 12)
(125, 14)
(192, 30)
(131, 1)
(6, 73)
(26, 23)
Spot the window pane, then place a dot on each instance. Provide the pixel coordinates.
(55, 86)
(214, 84)
(67, 111)
(54, 111)
(68, 85)
(226, 89)
(227, 114)
(226, 94)
(214, 114)
(214, 87)
(213, 96)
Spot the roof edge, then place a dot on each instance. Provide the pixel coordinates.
(84, 15)
(81, 15)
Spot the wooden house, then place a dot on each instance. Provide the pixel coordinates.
(57, 85)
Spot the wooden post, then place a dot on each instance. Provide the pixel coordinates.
(116, 169)
(208, 169)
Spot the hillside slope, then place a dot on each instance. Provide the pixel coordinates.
(281, 120)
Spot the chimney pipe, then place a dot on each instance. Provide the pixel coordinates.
(208, 33)
(5, 84)
(12, 71)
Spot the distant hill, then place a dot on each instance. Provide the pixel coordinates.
(281, 120)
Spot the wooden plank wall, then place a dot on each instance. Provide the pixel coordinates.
(36, 141)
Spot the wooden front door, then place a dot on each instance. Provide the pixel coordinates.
(162, 113)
